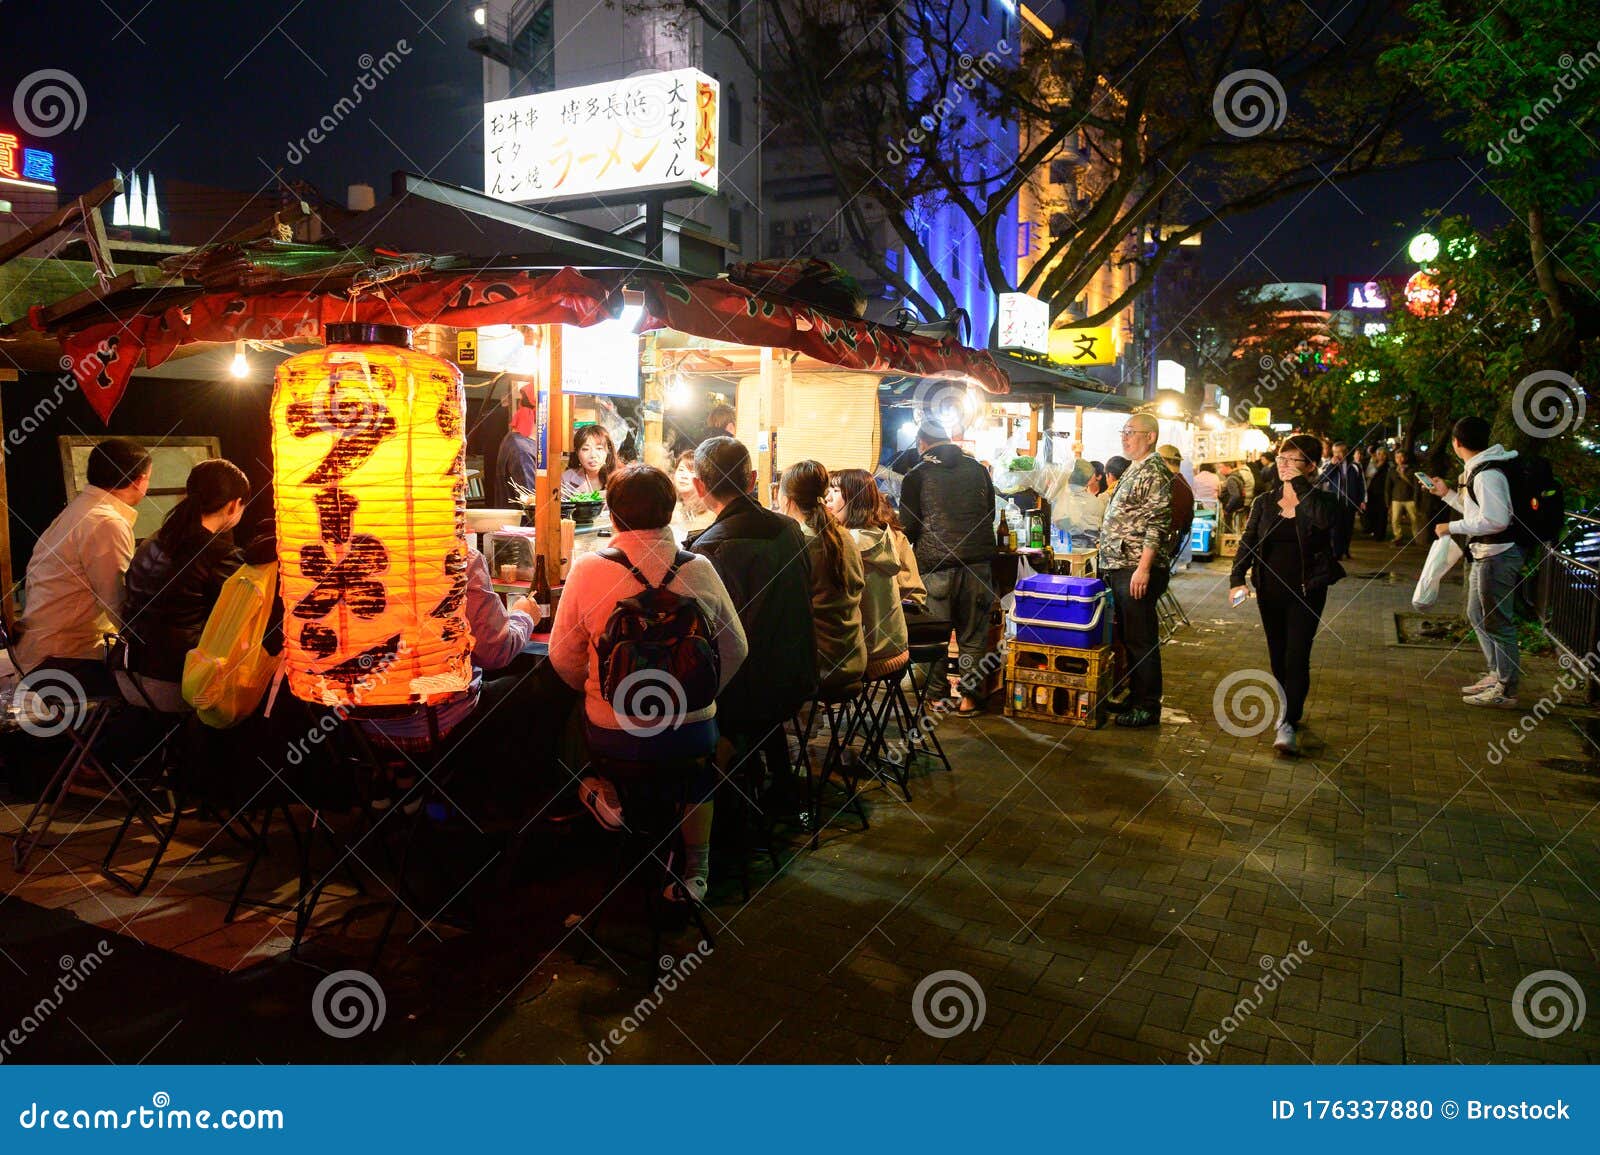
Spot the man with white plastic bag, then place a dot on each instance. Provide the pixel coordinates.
(1441, 559)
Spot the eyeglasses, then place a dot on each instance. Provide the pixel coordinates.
(1128, 430)
(1284, 459)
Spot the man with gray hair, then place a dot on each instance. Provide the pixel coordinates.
(1135, 553)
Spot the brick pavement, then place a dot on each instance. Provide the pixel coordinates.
(1109, 895)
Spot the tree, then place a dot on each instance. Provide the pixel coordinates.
(1187, 114)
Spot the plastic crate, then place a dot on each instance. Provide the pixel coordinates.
(1059, 704)
(1098, 682)
(1059, 659)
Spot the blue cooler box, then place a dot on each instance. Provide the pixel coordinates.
(1200, 535)
(1055, 610)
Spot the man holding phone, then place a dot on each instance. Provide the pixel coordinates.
(1484, 502)
(1401, 491)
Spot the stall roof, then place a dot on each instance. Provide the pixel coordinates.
(1066, 385)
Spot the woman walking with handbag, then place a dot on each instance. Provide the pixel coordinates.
(1288, 549)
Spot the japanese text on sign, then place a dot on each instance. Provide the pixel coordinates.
(25, 164)
(655, 131)
(1024, 323)
(1083, 346)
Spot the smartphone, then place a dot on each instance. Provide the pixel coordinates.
(1238, 598)
(1427, 482)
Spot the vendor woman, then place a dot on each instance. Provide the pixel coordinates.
(591, 462)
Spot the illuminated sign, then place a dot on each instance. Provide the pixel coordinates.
(1083, 346)
(1260, 416)
(1424, 247)
(467, 348)
(136, 207)
(1367, 295)
(658, 130)
(601, 359)
(26, 167)
(1424, 297)
(1024, 323)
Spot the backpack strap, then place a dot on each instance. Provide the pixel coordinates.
(679, 560)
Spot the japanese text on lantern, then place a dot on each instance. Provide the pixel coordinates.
(655, 131)
(369, 481)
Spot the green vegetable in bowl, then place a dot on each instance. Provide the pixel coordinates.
(1021, 464)
(593, 495)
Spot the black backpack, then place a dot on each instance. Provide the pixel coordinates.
(658, 660)
(1538, 501)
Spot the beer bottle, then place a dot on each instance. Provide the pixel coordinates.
(541, 592)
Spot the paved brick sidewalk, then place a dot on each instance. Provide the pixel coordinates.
(1115, 894)
(1107, 896)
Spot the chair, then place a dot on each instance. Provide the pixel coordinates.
(77, 697)
(1169, 612)
(161, 766)
(841, 708)
(929, 645)
(881, 699)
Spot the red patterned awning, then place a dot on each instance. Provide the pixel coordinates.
(103, 356)
(724, 311)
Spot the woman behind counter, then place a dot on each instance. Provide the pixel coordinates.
(591, 463)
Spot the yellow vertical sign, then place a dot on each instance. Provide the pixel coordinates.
(1260, 416)
(467, 348)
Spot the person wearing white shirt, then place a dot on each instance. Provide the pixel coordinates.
(73, 589)
(1484, 502)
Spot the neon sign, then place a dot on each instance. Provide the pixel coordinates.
(27, 167)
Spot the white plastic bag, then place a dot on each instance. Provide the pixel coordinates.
(1442, 557)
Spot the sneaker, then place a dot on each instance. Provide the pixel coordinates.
(1116, 706)
(1495, 697)
(1481, 684)
(599, 798)
(688, 890)
(1137, 716)
(1287, 741)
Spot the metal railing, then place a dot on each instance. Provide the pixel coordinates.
(1569, 596)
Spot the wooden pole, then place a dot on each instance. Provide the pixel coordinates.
(76, 209)
(8, 601)
(547, 519)
(1033, 430)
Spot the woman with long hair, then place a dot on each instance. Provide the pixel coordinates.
(1287, 547)
(174, 579)
(837, 577)
(590, 464)
(865, 515)
(861, 505)
(691, 514)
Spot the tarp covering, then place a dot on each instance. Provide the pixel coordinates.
(103, 356)
(723, 311)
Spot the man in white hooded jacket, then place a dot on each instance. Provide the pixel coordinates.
(1486, 521)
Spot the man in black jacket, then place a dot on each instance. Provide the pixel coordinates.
(947, 507)
(761, 558)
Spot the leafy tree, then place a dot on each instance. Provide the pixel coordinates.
(1153, 95)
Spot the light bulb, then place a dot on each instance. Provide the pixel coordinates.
(241, 364)
(479, 16)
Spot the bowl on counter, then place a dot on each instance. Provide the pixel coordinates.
(581, 512)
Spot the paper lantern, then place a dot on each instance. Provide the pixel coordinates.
(370, 483)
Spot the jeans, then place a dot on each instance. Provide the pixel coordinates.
(1290, 622)
(963, 595)
(1413, 518)
(1491, 608)
(1140, 630)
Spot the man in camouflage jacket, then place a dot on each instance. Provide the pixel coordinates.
(1135, 562)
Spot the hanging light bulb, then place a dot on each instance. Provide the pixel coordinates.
(241, 363)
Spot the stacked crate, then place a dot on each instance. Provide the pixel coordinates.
(1230, 544)
(1057, 683)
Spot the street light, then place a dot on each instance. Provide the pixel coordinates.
(479, 16)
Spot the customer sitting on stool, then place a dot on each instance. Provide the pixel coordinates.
(652, 714)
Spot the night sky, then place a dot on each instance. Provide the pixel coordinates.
(218, 93)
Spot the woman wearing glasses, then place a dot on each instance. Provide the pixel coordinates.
(1288, 543)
